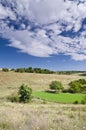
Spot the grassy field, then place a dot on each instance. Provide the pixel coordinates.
(38, 115)
(10, 81)
(60, 98)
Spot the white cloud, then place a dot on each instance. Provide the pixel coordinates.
(46, 11)
(40, 24)
(6, 12)
(78, 56)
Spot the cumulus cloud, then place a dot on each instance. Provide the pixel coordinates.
(45, 27)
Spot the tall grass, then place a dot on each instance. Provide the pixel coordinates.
(49, 116)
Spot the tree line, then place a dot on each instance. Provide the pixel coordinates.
(42, 71)
(30, 70)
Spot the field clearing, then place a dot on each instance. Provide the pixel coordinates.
(38, 115)
(60, 98)
(11, 81)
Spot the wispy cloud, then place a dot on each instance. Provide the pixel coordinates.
(45, 27)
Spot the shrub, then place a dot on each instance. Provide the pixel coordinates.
(77, 86)
(21, 70)
(56, 85)
(13, 98)
(83, 100)
(84, 89)
(12, 69)
(24, 93)
(5, 69)
(82, 81)
(76, 102)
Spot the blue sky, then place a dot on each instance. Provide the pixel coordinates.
(43, 33)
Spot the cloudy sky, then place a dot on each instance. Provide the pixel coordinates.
(43, 33)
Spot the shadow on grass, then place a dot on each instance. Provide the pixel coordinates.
(84, 74)
(50, 91)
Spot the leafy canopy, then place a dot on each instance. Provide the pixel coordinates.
(77, 86)
(24, 93)
(56, 85)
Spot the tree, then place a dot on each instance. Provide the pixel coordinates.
(77, 86)
(82, 81)
(56, 86)
(37, 70)
(29, 70)
(24, 93)
(5, 69)
(21, 70)
(12, 69)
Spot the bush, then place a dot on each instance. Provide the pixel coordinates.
(83, 100)
(20, 70)
(13, 98)
(56, 85)
(5, 69)
(77, 86)
(84, 89)
(82, 81)
(12, 69)
(76, 102)
(24, 93)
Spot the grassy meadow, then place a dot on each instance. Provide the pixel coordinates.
(39, 114)
(10, 81)
(60, 98)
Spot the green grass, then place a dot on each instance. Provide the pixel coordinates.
(60, 98)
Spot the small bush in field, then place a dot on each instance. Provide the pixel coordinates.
(56, 85)
(76, 102)
(13, 98)
(24, 93)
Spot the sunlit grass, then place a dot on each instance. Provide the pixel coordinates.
(60, 98)
(39, 114)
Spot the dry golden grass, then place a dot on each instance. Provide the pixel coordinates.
(41, 116)
(38, 115)
(12, 79)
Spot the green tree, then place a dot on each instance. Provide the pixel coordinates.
(24, 93)
(37, 70)
(21, 70)
(82, 81)
(12, 69)
(57, 86)
(5, 69)
(29, 70)
(77, 86)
